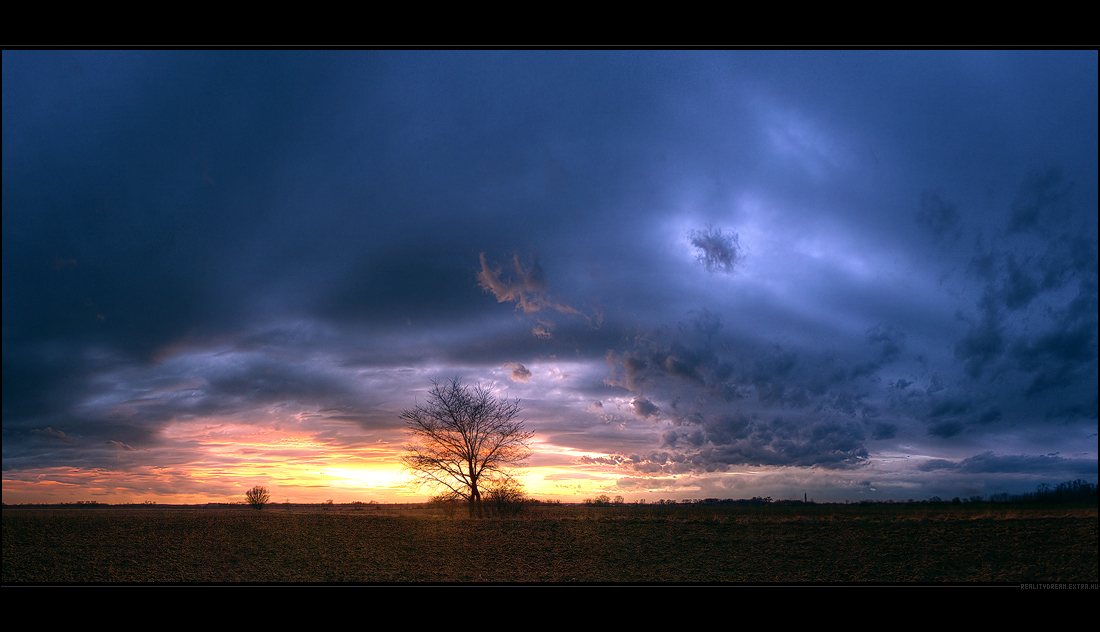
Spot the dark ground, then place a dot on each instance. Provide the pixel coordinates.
(550, 544)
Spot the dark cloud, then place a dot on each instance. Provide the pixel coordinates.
(517, 372)
(950, 408)
(718, 251)
(891, 342)
(946, 429)
(932, 465)
(55, 435)
(937, 215)
(263, 380)
(1042, 197)
(990, 416)
(738, 440)
(513, 339)
(1037, 315)
(988, 462)
(685, 356)
(1020, 287)
(884, 431)
(984, 343)
(643, 408)
(1058, 358)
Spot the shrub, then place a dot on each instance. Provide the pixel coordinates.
(507, 498)
(257, 497)
(449, 504)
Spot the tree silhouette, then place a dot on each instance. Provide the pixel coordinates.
(257, 497)
(464, 439)
(507, 497)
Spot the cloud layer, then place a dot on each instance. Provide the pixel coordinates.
(861, 274)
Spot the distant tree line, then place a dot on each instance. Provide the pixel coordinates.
(1077, 491)
(603, 500)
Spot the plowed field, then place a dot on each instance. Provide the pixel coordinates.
(568, 544)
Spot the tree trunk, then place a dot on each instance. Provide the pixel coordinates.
(476, 508)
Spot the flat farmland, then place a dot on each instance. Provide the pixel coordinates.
(392, 544)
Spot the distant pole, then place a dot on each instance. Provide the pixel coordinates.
(803, 497)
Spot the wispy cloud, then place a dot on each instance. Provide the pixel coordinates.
(718, 251)
(526, 286)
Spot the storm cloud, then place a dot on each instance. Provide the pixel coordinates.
(703, 273)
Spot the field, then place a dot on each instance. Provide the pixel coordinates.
(550, 543)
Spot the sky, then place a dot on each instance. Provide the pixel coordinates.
(839, 275)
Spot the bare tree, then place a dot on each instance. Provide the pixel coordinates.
(464, 439)
(257, 497)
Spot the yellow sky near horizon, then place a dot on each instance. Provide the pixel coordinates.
(286, 483)
(203, 461)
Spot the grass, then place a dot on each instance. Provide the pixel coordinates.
(678, 544)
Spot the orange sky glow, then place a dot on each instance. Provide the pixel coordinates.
(217, 462)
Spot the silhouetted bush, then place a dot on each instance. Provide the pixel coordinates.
(449, 504)
(602, 500)
(507, 498)
(257, 497)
